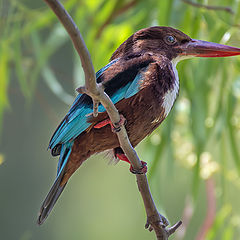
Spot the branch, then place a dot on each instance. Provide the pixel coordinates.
(209, 7)
(154, 219)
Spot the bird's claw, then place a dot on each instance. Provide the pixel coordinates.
(142, 170)
(117, 126)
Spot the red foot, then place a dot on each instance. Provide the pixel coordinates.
(108, 121)
(103, 123)
(143, 169)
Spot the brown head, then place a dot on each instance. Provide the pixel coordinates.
(172, 44)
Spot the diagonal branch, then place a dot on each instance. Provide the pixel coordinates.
(154, 220)
(209, 7)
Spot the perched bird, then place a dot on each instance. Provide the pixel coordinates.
(142, 81)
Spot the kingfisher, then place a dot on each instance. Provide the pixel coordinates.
(142, 81)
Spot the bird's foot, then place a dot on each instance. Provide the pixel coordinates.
(142, 170)
(124, 158)
(115, 127)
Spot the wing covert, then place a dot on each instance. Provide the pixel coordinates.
(122, 85)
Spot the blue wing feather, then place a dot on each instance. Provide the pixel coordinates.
(134, 87)
(75, 121)
(63, 159)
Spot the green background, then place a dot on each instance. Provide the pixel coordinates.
(194, 150)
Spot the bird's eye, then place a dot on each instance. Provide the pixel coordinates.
(170, 39)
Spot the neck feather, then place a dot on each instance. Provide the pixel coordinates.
(171, 95)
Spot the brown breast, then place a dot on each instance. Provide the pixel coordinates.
(143, 112)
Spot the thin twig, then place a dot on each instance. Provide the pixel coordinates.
(154, 220)
(209, 7)
(78, 43)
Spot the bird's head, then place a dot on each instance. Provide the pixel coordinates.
(171, 43)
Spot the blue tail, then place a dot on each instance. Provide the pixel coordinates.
(56, 188)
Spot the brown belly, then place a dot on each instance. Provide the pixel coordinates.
(143, 113)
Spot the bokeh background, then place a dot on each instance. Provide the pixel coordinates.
(193, 157)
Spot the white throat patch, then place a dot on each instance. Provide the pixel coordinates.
(171, 95)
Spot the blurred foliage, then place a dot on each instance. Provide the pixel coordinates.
(1, 159)
(201, 134)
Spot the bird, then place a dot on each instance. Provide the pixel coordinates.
(142, 81)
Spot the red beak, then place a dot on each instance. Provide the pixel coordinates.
(198, 48)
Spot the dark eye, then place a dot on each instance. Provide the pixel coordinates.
(170, 39)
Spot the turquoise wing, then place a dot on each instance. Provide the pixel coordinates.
(75, 122)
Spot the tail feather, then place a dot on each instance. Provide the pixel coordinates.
(56, 188)
(50, 201)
